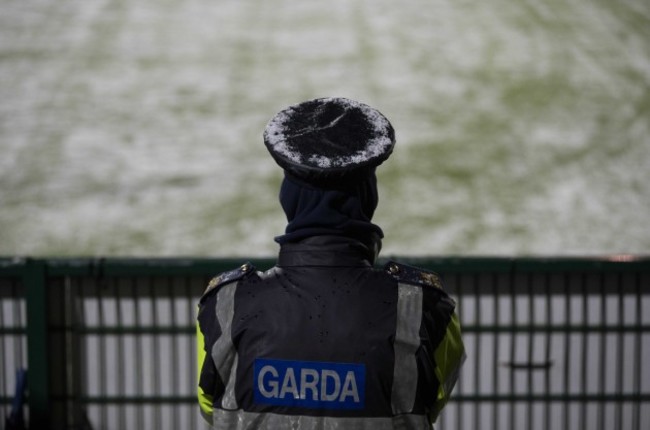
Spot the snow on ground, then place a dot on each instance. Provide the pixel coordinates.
(135, 128)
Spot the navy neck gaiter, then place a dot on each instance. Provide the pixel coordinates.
(342, 210)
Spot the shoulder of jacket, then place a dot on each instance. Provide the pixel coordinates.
(412, 275)
(228, 277)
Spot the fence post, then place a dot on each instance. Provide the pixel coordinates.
(37, 344)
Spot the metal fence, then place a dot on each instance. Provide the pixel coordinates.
(109, 344)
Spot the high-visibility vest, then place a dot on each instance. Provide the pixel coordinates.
(347, 347)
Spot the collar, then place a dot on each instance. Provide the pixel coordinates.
(325, 251)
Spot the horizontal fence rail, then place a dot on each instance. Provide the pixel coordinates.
(559, 343)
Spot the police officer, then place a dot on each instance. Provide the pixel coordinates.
(323, 340)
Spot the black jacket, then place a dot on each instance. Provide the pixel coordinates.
(324, 339)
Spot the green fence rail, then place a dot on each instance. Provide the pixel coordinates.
(557, 343)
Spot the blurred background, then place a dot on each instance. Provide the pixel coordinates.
(135, 128)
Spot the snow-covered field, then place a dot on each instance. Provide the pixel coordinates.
(134, 128)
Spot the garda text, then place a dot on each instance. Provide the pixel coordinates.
(309, 384)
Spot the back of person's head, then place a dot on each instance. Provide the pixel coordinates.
(329, 149)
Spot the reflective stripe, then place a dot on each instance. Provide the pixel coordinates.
(239, 420)
(223, 351)
(449, 357)
(407, 341)
(205, 399)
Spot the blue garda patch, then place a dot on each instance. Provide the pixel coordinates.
(309, 384)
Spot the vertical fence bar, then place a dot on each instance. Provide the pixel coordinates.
(121, 353)
(530, 359)
(620, 342)
(602, 351)
(636, 411)
(4, 353)
(38, 377)
(192, 368)
(513, 347)
(139, 386)
(495, 351)
(583, 353)
(155, 371)
(476, 405)
(102, 341)
(459, 386)
(174, 343)
(566, 345)
(548, 319)
(81, 323)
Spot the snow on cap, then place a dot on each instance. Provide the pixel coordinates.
(329, 138)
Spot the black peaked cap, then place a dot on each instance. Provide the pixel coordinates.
(329, 139)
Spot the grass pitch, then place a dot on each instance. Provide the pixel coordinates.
(135, 128)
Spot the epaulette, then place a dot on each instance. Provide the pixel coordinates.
(228, 277)
(413, 275)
